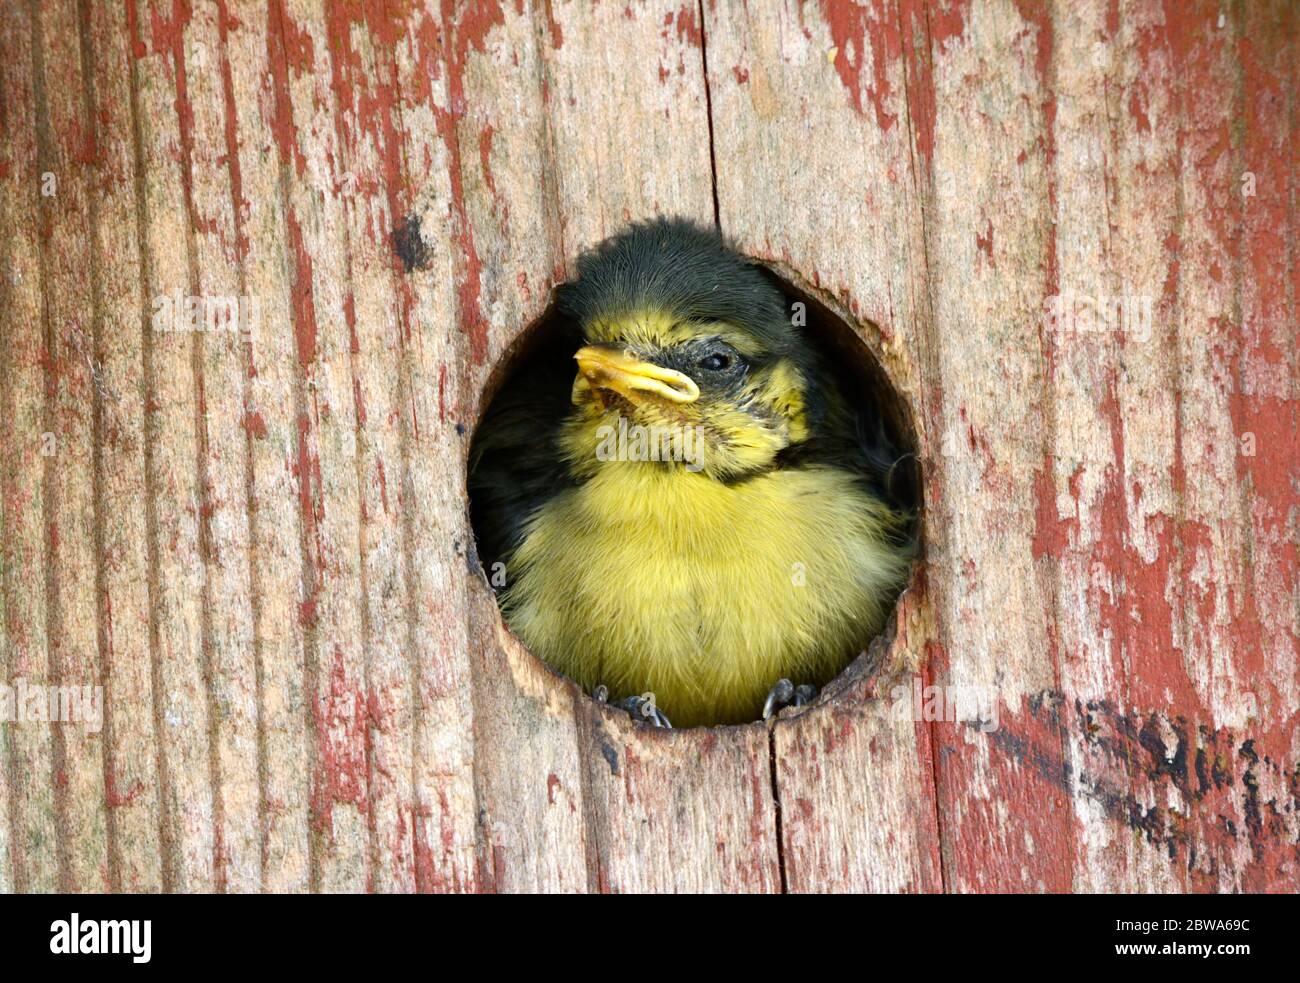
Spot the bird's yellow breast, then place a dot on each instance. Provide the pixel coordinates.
(651, 578)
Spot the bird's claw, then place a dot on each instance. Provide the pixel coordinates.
(640, 708)
(787, 694)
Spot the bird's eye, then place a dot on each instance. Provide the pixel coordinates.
(716, 362)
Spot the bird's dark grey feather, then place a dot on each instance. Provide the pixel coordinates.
(680, 268)
(515, 465)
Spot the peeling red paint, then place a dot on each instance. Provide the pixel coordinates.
(302, 296)
(138, 48)
(431, 877)
(358, 401)
(1137, 110)
(925, 31)
(341, 738)
(853, 29)
(1169, 758)
(238, 203)
(485, 157)
(460, 36)
(553, 29)
(1052, 534)
(688, 28)
(984, 243)
(382, 478)
(350, 318)
(254, 425)
(283, 129)
(116, 799)
(307, 471)
(299, 48)
(1263, 405)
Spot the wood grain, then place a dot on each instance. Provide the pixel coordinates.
(258, 542)
(29, 772)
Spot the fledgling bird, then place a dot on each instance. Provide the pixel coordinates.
(698, 513)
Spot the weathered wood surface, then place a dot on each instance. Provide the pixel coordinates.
(259, 545)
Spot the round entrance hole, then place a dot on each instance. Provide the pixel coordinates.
(679, 575)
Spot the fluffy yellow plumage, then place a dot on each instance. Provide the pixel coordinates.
(638, 580)
(754, 547)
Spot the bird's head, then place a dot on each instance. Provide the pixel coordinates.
(688, 356)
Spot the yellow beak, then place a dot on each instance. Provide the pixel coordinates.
(615, 370)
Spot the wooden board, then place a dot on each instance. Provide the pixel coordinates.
(257, 541)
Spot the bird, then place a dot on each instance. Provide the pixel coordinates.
(690, 516)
